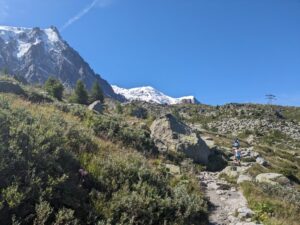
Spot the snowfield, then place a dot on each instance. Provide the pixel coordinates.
(150, 94)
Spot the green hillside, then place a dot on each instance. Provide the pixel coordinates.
(43, 145)
(62, 163)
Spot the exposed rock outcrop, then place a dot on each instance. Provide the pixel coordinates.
(10, 87)
(272, 178)
(243, 178)
(96, 106)
(234, 171)
(263, 126)
(170, 134)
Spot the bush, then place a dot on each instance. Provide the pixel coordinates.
(133, 193)
(12, 195)
(115, 130)
(37, 161)
(37, 98)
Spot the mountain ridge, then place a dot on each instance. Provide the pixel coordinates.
(36, 54)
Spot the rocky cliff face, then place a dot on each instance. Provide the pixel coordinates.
(36, 54)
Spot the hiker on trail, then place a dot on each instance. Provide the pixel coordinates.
(237, 154)
(236, 143)
(237, 151)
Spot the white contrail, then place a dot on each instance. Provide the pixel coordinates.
(3, 9)
(79, 15)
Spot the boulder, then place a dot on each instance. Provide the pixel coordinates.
(251, 139)
(96, 106)
(170, 134)
(245, 212)
(233, 171)
(173, 169)
(254, 154)
(272, 178)
(242, 178)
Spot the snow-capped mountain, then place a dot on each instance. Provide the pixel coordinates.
(35, 54)
(150, 94)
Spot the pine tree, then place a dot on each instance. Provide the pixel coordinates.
(96, 93)
(54, 88)
(80, 95)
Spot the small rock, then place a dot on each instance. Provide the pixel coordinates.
(246, 223)
(223, 186)
(223, 199)
(245, 212)
(232, 219)
(233, 189)
(254, 154)
(173, 169)
(251, 139)
(261, 161)
(212, 186)
(220, 192)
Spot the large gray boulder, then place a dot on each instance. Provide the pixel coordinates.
(272, 178)
(170, 134)
(96, 106)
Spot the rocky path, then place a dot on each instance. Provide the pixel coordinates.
(228, 205)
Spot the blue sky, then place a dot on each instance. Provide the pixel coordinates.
(218, 50)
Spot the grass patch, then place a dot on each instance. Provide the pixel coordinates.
(274, 205)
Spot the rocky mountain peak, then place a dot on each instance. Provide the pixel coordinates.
(35, 54)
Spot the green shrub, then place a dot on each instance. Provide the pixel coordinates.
(133, 193)
(273, 204)
(43, 212)
(35, 97)
(54, 88)
(115, 130)
(12, 195)
(40, 158)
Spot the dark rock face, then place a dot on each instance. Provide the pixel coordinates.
(36, 54)
(9, 87)
(169, 134)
